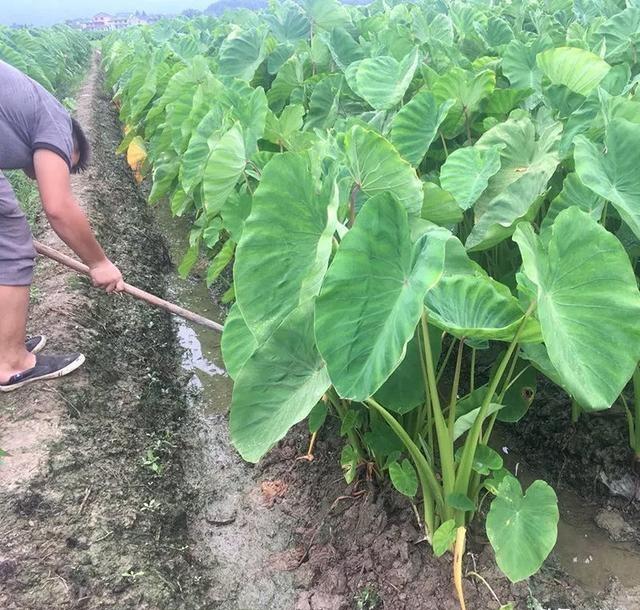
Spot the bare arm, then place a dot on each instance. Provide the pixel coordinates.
(69, 221)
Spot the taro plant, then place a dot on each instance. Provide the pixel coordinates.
(55, 57)
(354, 317)
(426, 206)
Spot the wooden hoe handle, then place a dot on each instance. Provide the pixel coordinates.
(63, 259)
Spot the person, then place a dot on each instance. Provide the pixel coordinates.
(38, 136)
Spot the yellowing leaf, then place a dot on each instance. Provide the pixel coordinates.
(136, 156)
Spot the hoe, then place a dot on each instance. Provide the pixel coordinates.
(63, 259)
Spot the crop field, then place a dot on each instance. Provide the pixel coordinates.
(419, 223)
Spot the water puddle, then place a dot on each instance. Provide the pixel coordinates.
(202, 356)
(586, 552)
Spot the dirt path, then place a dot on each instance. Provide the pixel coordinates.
(91, 511)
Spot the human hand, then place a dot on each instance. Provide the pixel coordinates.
(107, 276)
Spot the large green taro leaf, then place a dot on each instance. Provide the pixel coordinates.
(199, 105)
(433, 29)
(325, 13)
(143, 95)
(382, 81)
(613, 174)
(579, 120)
(183, 82)
(621, 34)
(522, 529)
(224, 167)
(497, 33)
(588, 305)
(475, 307)
(439, 206)
(324, 103)
(24, 63)
(286, 242)
(502, 101)
(283, 129)
(278, 56)
(514, 192)
(564, 103)
(246, 106)
(185, 111)
(237, 342)
(343, 48)
(519, 63)
(234, 212)
(593, 116)
(289, 79)
(578, 70)
(467, 303)
(612, 107)
(287, 23)
(466, 172)
(467, 90)
(573, 193)
(376, 167)
(278, 385)
(371, 298)
(416, 125)
(466, 18)
(165, 172)
(537, 354)
(185, 47)
(199, 149)
(241, 52)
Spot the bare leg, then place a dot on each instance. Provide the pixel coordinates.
(14, 305)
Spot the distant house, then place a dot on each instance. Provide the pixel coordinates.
(102, 21)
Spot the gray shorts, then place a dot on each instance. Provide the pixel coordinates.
(17, 254)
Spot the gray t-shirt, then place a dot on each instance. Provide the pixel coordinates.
(30, 119)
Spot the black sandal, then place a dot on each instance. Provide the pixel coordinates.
(47, 367)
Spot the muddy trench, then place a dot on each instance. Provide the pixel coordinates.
(121, 489)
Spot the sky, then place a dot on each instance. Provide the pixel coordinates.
(47, 12)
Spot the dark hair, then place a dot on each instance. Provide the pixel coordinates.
(82, 146)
